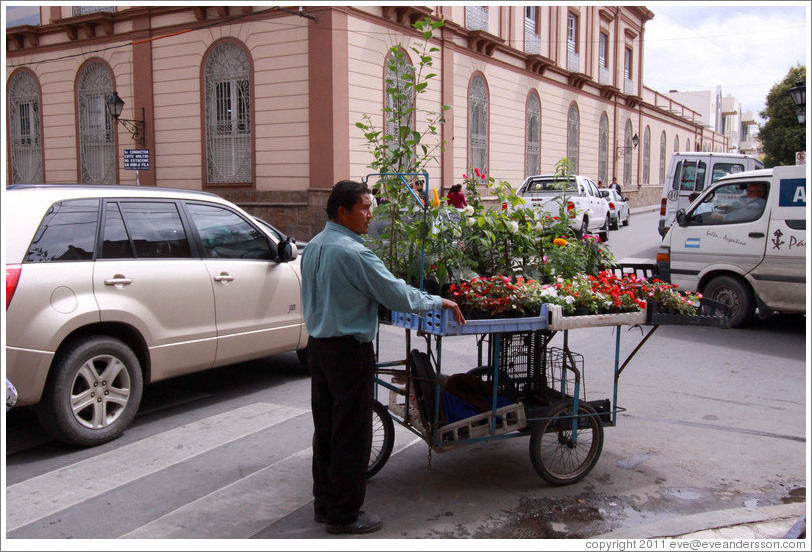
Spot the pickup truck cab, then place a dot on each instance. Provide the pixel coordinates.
(690, 173)
(588, 210)
(741, 249)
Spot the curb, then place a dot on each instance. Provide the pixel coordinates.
(718, 519)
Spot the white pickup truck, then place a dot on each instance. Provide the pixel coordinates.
(588, 210)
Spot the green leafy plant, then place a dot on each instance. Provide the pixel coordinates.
(397, 147)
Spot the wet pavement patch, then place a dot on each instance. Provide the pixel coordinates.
(631, 462)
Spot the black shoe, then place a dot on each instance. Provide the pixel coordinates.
(366, 523)
(320, 518)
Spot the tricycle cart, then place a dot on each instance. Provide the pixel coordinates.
(536, 389)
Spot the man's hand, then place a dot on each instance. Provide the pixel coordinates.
(455, 308)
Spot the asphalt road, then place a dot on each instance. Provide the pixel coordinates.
(712, 419)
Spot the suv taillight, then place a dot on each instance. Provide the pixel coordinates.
(12, 277)
(663, 204)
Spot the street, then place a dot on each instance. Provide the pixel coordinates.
(712, 419)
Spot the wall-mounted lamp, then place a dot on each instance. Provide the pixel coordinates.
(137, 128)
(798, 95)
(623, 150)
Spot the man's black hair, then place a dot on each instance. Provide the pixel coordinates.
(346, 193)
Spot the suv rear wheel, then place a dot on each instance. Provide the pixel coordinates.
(93, 391)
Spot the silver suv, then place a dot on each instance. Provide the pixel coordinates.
(111, 287)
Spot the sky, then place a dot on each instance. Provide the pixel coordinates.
(743, 47)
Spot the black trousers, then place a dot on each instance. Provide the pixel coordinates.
(342, 389)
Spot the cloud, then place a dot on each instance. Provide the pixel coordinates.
(745, 49)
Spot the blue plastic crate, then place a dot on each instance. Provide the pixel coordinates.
(441, 322)
(406, 320)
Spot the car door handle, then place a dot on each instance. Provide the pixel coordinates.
(118, 280)
(224, 277)
(755, 235)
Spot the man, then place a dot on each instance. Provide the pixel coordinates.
(343, 282)
(750, 210)
(615, 186)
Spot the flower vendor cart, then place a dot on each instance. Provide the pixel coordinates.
(522, 386)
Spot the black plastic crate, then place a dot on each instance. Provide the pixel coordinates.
(522, 357)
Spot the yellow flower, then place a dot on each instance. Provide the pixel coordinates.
(560, 241)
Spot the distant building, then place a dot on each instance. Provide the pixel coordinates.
(259, 104)
(723, 115)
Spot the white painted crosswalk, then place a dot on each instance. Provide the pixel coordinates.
(253, 474)
(52, 492)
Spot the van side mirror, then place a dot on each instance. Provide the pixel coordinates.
(287, 250)
(682, 219)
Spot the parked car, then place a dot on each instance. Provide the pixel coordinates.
(588, 210)
(279, 235)
(618, 208)
(109, 288)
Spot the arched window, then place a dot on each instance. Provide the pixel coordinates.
(676, 143)
(227, 84)
(603, 149)
(24, 129)
(662, 157)
(646, 155)
(398, 104)
(687, 144)
(573, 130)
(627, 160)
(478, 110)
(97, 145)
(532, 134)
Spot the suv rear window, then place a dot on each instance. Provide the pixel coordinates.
(539, 185)
(67, 232)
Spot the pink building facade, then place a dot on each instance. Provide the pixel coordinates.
(259, 104)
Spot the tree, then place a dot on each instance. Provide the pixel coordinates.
(781, 135)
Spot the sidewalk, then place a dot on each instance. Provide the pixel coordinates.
(768, 522)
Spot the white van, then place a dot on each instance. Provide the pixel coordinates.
(740, 250)
(690, 173)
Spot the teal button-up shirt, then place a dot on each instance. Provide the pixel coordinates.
(343, 282)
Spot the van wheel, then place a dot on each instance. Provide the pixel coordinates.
(735, 294)
(93, 392)
(628, 217)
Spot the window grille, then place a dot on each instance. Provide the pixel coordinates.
(646, 155)
(24, 130)
(603, 149)
(532, 38)
(662, 157)
(83, 10)
(573, 130)
(478, 125)
(627, 159)
(97, 154)
(476, 18)
(532, 136)
(228, 116)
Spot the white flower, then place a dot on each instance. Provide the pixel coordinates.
(470, 222)
(569, 299)
(513, 226)
(456, 233)
(539, 227)
(468, 210)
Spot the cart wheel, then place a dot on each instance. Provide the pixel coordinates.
(554, 455)
(383, 438)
